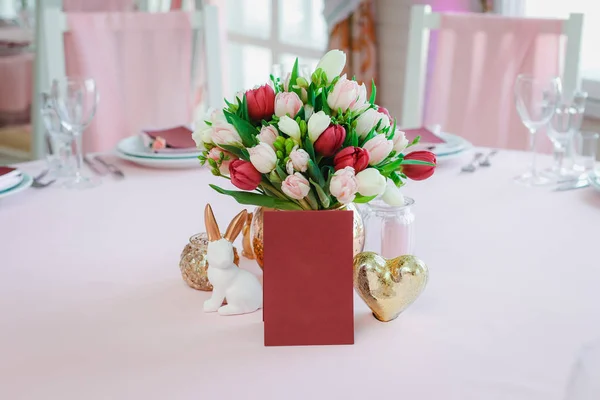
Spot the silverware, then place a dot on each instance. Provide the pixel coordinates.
(37, 183)
(93, 166)
(472, 166)
(111, 168)
(580, 184)
(486, 161)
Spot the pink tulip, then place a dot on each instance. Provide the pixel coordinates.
(344, 94)
(215, 154)
(379, 148)
(299, 159)
(268, 134)
(343, 185)
(295, 186)
(225, 133)
(287, 103)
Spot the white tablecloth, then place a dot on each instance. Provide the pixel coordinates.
(92, 304)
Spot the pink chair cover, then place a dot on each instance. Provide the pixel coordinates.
(142, 66)
(98, 5)
(16, 72)
(477, 61)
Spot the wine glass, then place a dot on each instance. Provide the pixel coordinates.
(584, 382)
(536, 101)
(75, 101)
(565, 122)
(59, 140)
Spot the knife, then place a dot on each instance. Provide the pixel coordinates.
(111, 168)
(91, 165)
(571, 186)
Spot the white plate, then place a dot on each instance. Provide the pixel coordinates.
(162, 163)
(25, 183)
(9, 182)
(133, 146)
(454, 144)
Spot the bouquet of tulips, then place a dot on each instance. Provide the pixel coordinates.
(309, 143)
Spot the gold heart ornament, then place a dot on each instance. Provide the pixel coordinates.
(388, 286)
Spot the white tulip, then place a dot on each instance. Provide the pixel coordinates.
(263, 157)
(202, 134)
(368, 120)
(400, 141)
(317, 124)
(361, 102)
(370, 182)
(332, 63)
(308, 111)
(392, 195)
(290, 127)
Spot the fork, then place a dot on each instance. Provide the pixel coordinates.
(486, 161)
(37, 183)
(472, 166)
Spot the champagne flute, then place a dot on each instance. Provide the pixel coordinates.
(59, 140)
(536, 101)
(75, 101)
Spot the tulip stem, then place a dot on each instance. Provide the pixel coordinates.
(304, 204)
(270, 188)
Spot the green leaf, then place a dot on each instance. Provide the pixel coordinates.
(369, 136)
(315, 173)
(280, 172)
(373, 92)
(312, 200)
(325, 107)
(256, 199)
(293, 77)
(396, 179)
(353, 138)
(415, 141)
(245, 129)
(300, 114)
(323, 197)
(393, 166)
(310, 149)
(363, 199)
(417, 162)
(236, 151)
(244, 109)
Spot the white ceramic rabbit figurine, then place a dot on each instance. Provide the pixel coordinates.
(241, 288)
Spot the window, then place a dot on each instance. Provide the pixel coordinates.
(266, 32)
(590, 56)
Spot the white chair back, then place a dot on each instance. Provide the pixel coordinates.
(423, 20)
(50, 56)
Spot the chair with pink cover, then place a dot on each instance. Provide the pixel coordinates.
(474, 66)
(142, 62)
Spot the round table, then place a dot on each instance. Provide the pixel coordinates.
(92, 304)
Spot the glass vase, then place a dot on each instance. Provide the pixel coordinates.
(390, 230)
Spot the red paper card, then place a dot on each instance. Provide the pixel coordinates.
(427, 136)
(307, 286)
(179, 137)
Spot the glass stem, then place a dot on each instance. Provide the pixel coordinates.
(532, 146)
(559, 157)
(79, 155)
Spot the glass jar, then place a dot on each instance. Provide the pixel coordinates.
(390, 230)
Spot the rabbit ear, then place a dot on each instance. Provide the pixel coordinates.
(212, 229)
(235, 226)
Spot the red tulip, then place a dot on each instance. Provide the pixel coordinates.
(354, 157)
(330, 140)
(244, 175)
(385, 111)
(261, 103)
(419, 172)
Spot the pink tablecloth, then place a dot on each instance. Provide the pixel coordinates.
(92, 305)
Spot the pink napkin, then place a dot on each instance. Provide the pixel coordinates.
(176, 139)
(427, 136)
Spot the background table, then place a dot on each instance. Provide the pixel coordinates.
(92, 304)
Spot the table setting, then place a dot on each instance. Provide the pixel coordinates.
(298, 244)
